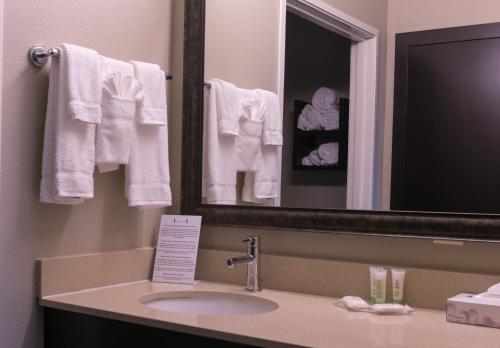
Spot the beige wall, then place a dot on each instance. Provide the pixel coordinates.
(374, 13)
(123, 29)
(1, 85)
(411, 15)
(241, 39)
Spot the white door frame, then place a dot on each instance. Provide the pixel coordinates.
(362, 94)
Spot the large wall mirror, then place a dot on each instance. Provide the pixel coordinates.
(284, 128)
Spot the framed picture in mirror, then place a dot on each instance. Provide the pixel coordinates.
(320, 148)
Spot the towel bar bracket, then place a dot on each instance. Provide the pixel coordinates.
(39, 54)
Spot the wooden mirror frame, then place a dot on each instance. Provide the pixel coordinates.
(403, 224)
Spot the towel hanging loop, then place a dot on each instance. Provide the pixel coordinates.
(39, 56)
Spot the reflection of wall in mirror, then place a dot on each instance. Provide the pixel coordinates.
(314, 57)
(241, 39)
(241, 46)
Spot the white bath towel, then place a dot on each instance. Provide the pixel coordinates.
(148, 173)
(273, 118)
(119, 93)
(252, 189)
(330, 120)
(243, 129)
(152, 109)
(309, 119)
(228, 106)
(219, 144)
(312, 159)
(328, 153)
(325, 155)
(69, 142)
(261, 177)
(324, 99)
(306, 161)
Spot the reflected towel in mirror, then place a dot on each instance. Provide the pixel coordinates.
(326, 155)
(324, 100)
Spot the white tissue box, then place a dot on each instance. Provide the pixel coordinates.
(466, 309)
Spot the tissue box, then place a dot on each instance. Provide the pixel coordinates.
(466, 309)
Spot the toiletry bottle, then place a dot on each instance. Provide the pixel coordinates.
(372, 282)
(398, 282)
(380, 285)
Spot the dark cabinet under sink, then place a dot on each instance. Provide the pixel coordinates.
(64, 329)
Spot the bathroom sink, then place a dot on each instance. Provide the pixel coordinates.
(208, 303)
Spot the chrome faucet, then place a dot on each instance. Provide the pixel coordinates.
(252, 260)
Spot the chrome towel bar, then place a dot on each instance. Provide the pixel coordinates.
(39, 56)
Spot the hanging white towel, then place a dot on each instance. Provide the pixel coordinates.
(228, 106)
(261, 184)
(148, 173)
(221, 124)
(119, 93)
(152, 109)
(242, 133)
(69, 142)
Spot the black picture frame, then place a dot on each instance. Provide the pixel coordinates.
(306, 141)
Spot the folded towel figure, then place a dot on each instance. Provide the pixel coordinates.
(309, 119)
(322, 114)
(148, 173)
(326, 155)
(70, 126)
(120, 90)
(324, 100)
(261, 184)
(243, 133)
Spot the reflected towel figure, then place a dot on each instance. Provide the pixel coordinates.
(326, 155)
(251, 147)
(309, 119)
(330, 120)
(322, 114)
(324, 100)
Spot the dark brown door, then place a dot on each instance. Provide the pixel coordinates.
(446, 148)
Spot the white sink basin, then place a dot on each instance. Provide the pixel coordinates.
(208, 303)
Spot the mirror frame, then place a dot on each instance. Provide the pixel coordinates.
(474, 227)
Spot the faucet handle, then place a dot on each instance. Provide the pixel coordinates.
(252, 241)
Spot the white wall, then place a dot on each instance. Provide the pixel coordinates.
(123, 29)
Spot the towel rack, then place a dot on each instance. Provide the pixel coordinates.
(39, 56)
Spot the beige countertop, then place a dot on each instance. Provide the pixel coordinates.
(300, 320)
